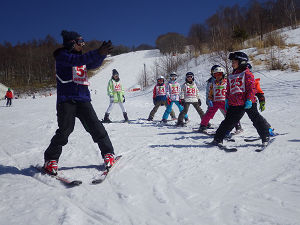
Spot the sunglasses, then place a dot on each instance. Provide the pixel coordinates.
(80, 42)
(189, 77)
(218, 74)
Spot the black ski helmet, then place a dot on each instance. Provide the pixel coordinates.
(189, 74)
(249, 66)
(240, 56)
(212, 69)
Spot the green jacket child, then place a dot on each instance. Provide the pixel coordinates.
(115, 91)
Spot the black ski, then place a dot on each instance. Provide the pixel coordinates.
(211, 134)
(252, 139)
(207, 133)
(263, 147)
(222, 147)
(106, 172)
(118, 121)
(226, 149)
(66, 181)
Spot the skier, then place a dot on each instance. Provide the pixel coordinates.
(73, 98)
(240, 98)
(189, 96)
(115, 91)
(215, 98)
(9, 96)
(173, 92)
(159, 98)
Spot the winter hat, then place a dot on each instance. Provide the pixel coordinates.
(115, 72)
(69, 38)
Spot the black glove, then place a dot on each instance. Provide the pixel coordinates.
(123, 98)
(199, 101)
(105, 48)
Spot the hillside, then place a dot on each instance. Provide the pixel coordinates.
(167, 174)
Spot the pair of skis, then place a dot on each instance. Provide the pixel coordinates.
(235, 149)
(72, 183)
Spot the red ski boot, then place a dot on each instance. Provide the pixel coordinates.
(109, 160)
(51, 167)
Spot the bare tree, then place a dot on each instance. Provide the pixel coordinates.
(198, 36)
(171, 43)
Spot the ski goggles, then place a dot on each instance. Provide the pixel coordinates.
(160, 80)
(218, 74)
(80, 42)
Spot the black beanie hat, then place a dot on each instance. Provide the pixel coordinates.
(69, 37)
(115, 72)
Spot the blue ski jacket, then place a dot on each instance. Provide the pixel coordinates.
(65, 62)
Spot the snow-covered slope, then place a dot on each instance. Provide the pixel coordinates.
(167, 174)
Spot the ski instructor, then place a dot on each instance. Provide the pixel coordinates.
(73, 98)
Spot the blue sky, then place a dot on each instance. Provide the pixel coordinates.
(128, 22)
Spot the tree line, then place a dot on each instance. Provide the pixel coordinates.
(30, 66)
(229, 27)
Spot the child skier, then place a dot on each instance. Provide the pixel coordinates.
(115, 91)
(189, 96)
(159, 98)
(173, 92)
(216, 97)
(240, 98)
(9, 96)
(73, 98)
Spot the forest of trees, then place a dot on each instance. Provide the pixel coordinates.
(30, 65)
(229, 27)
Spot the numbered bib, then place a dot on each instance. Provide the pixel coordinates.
(174, 89)
(117, 86)
(237, 83)
(219, 92)
(161, 90)
(191, 91)
(80, 75)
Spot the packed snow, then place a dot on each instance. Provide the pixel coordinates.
(167, 174)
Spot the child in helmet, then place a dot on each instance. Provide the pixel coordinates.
(115, 91)
(216, 97)
(189, 96)
(9, 96)
(173, 92)
(240, 98)
(159, 98)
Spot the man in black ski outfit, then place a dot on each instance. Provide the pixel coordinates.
(73, 98)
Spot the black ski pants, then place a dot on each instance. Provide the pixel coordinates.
(8, 102)
(233, 116)
(66, 115)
